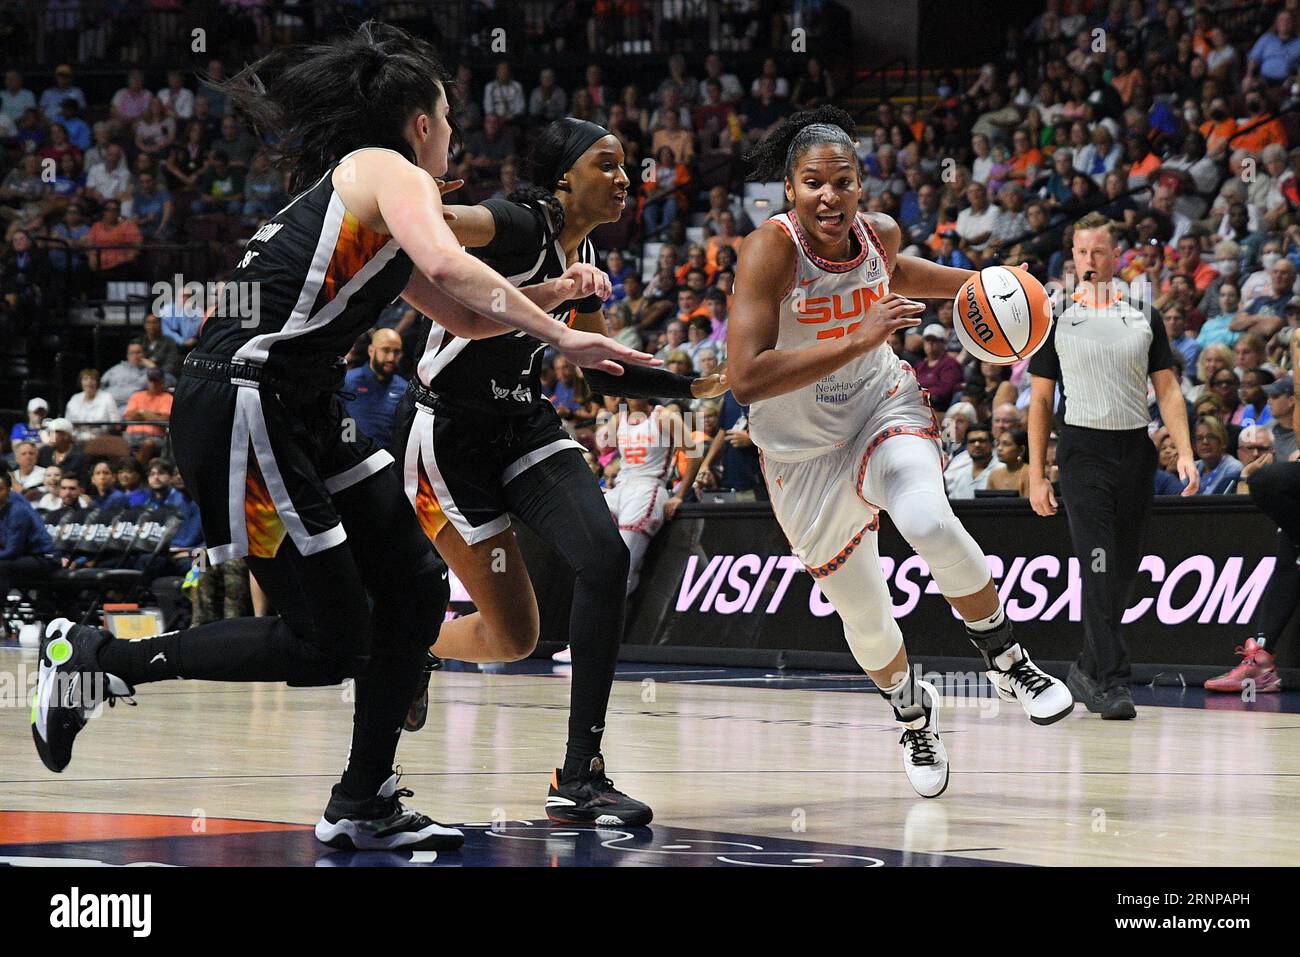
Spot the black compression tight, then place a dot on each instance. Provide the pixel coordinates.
(560, 501)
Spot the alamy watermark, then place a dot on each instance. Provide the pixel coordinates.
(236, 299)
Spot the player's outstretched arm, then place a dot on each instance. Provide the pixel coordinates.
(912, 276)
(389, 193)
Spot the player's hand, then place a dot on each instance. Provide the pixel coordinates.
(445, 187)
(739, 438)
(582, 280)
(711, 386)
(1187, 472)
(591, 350)
(887, 315)
(671, 506)
(1041, 496)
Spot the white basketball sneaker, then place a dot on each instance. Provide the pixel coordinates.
(564, 656)
(1017, 678)
(924, 757)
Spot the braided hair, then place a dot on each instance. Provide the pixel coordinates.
(775, 157)
(320, 102)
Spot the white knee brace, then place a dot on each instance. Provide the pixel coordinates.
(956, 561)
(874, 638)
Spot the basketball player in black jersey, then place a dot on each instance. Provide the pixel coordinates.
(259, 433)
(479, 441)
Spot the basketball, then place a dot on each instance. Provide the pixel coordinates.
(1002, 315)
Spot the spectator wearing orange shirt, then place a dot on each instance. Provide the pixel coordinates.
(1142, 162)
(153, 403)
(1127, 77)
(672, 134)
(726, 236)
(1218, 129)
(664, 196)
(123, 238)
(1269, 128)
(1190, 263)
(690, 305)
(697, 257)
(1026, 159)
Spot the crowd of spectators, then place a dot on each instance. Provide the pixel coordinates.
(1176, 122)
(80, 197)
(1176, 125)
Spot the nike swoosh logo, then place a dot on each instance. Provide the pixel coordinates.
(807, 282)
(1075, 322)
(598, 730)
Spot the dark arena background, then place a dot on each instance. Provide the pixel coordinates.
(129, 188)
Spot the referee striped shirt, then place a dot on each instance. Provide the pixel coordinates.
(1102, 357)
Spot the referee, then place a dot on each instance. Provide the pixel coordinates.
(1101, 351)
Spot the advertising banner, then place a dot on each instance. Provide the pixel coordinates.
(723, 577)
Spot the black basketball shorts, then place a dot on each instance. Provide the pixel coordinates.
(456, 463)
(263, 463)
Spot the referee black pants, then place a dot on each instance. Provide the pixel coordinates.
(1106, 487)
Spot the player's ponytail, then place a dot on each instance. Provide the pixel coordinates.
(531, 193)
(317, 103)
(775, 156)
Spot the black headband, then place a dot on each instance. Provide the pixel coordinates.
(579, 135)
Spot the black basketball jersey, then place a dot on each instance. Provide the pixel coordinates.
(310, 281)
(502, 372)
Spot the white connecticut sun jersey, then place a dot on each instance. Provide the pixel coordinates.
(645, 447)
(828, 300)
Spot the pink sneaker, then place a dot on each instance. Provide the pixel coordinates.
(1256, 664)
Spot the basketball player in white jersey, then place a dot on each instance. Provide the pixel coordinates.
(845, 431)
(648, 440)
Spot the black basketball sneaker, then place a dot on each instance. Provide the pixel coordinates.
(590, 797)
(70, 688)
(381, 823)
(419, 710)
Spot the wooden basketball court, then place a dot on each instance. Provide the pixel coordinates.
(742, 768)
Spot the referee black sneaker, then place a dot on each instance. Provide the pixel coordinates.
(1117, 704)
(418, 713)
(381, 823)
(590, 797)
(1083, 688)
(70, 687)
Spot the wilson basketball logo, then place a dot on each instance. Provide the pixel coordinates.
(1002, 315)
(839, 308)
(976, 317)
